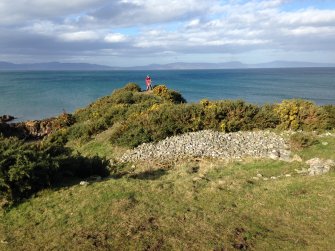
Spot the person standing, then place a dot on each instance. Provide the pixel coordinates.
(148, 83)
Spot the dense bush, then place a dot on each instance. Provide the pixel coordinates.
(105, 112)
(300, 114)
(161, 121)
(266, 117)
(301, 140)
(168, 95)
(144, 117)
(25, 168)
(133, 87)
(328, 112)
(229, 115)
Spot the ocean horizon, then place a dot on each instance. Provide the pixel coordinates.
(30, 95)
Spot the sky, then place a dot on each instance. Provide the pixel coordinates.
(142, 32)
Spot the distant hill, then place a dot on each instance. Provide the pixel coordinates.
(56, 66)
(289, 64)
(185, 66)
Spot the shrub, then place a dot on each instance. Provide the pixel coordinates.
(168, 95)
(27, 168)
(63, 120)
(133, 87)
(151, 117)
(123, 97)
(328, 112)
(299, 114)
(23, 169)
(156, 123)
(229, 116)
(132, 137)
(266, 117)
(302, 140)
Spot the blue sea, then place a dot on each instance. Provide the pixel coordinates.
(42, 94)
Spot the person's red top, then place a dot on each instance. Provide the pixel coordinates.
(148, 81)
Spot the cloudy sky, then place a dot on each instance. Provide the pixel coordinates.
(140, 32)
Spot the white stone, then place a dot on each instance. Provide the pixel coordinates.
(84, 183)
(296, 158)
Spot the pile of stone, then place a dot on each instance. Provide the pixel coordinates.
(207, 143)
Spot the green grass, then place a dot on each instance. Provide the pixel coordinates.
(192, 205)
(100, 145)
(320, 150)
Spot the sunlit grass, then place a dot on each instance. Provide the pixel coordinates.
(192, 205)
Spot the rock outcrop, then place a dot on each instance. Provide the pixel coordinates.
(36, 129)
(319, 166)
(6, 118)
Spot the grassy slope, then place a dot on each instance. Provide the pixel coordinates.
(195, 205)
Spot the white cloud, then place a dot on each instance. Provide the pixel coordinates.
(151, 27)
(308, 31)
(79, 36)
(115, 38)
(307, 17)
(16, 11)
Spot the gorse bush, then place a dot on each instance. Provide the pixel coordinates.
(137, 117)
(328, 113)
(161, 121)
(302, 140)
(122, 104)
(168, 95)
(133, 87)
(299, 114)
(25, 168)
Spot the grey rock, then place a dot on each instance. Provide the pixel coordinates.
(274, 154)
(319, 166)
(285, 155)
(6, 118)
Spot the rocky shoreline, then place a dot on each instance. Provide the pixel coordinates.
(212, 144)
(33, 129)
(6, 118)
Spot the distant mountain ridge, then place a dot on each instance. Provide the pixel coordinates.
(57, 66)
(53, 66)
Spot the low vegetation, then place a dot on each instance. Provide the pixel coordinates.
(138, 118)
(28, 167)
(196, 204)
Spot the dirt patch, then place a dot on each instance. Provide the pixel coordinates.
(240, 240)
(96, 240)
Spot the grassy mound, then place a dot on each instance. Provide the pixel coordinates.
(194, 205)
